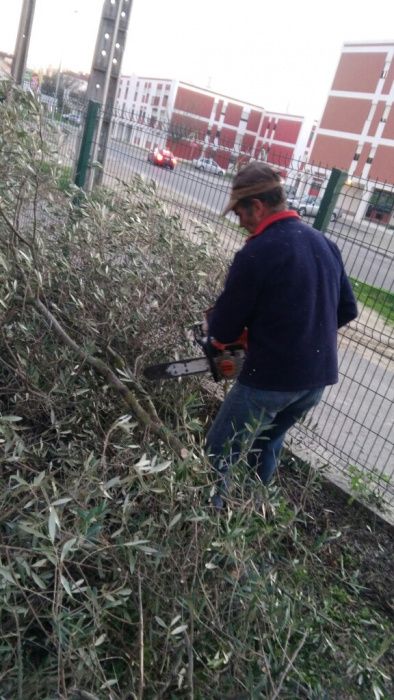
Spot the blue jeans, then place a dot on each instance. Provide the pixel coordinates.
(254, 422)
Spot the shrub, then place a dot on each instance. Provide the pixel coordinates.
(116, 579)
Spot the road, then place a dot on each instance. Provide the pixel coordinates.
(356, 417)
(209, 193)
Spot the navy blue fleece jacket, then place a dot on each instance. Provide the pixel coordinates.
(288, 286)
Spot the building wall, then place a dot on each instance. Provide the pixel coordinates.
(345, 114)
(334, 148)
(359, 72)
(191, 102)
(382, 165)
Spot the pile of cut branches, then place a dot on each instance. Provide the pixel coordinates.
(116, 580)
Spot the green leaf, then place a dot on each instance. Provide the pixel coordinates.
(66, 585)
(160, 622)
(39, 478)
(61, 502)
(6, 574)
(175, 520)
(53, 523)
(100, 639)
(67, 547)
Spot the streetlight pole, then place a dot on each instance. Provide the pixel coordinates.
(22, 41)
(105, 72)
(104, 95)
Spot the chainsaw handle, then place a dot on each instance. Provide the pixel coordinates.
(216, 352)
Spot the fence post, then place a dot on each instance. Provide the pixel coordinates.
(86, 143)
(333, 189)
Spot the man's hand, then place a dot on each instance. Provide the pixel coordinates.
(205, 323)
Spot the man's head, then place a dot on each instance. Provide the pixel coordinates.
(257, 192)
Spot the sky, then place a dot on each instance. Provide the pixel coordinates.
(278, 55)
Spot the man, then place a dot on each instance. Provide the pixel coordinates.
(288, 287)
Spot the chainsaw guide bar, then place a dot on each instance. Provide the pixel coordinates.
(181, 368)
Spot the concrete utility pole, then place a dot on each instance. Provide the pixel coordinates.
(22, 41)
(105, 72)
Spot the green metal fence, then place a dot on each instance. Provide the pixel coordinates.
(352, 429)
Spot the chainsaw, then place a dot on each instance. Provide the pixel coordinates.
(223, 361)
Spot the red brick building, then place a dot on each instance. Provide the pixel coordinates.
(226, 126)
(203, 122)
(356, 131)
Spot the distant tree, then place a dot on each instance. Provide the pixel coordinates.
(67, 86)
(180, 131)
(48, 85)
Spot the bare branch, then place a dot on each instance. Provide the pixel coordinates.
(128, 396)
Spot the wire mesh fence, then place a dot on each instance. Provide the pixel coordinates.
(351, 430)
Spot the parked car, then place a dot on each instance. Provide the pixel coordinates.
(308, 205)
(209, 165)
(297, 202)
(162, 157)
(73, 118)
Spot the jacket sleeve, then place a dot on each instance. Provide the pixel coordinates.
(347, 306)
(235, 304)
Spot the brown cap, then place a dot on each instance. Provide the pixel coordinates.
(255, 178)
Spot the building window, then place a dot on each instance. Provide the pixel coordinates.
(358, 152)
(126, 93)
(369, 160)
(381, 206)
(385, 113)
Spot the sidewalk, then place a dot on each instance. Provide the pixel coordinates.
(367, 234)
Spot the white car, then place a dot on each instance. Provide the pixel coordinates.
(308, 205)
(208, 165)
(73, 118)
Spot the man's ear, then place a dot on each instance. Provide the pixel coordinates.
(260, 207)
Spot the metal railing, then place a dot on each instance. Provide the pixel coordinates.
(352, 428)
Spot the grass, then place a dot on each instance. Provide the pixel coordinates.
(61, 173)
(380, 300)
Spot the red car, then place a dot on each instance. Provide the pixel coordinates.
(162, 157)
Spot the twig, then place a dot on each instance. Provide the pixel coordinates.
(282, 679)
(141, 639)
(190, 665)
(128, 396)
(132, 382)
(13, 228)
(20, 656)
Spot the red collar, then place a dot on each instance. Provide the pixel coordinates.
(271, 220)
